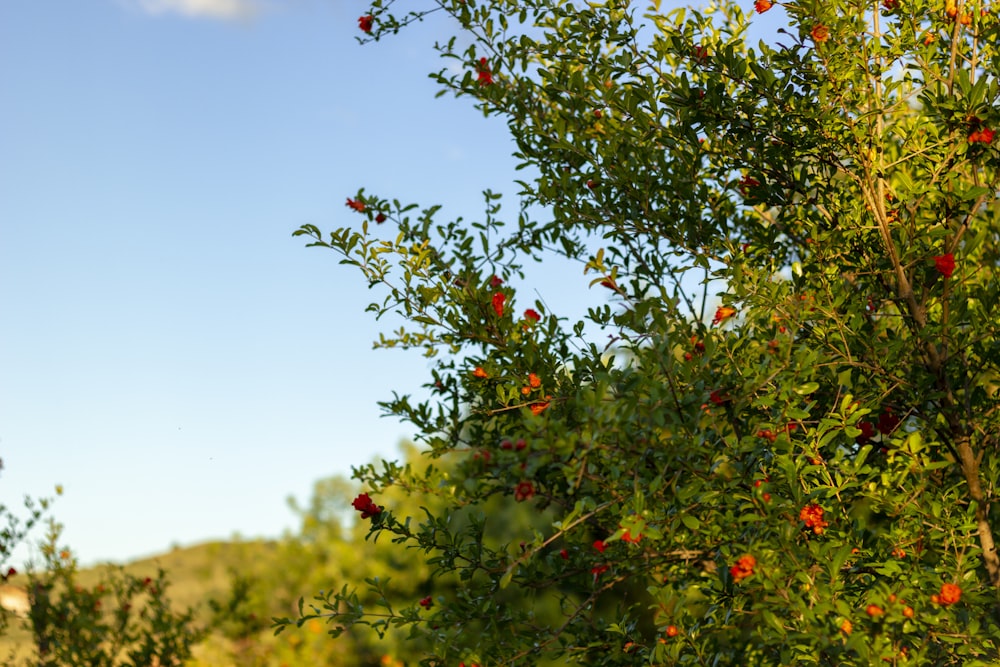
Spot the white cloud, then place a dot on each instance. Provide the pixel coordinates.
(212, 9)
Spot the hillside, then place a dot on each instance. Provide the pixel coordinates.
(196, 575)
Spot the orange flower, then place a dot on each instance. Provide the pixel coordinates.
(820, 33)
(530, 314)
(846, 627)
(672, 631)
(812, 516)
(534, 380)
(480, 373)
(540, 407)
(743, 568)
(356, 204)
(524, 491)
(874, 610)
(762, 5)
(950, 594)
(627, 537)
(723, 313)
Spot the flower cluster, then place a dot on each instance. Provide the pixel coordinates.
(743, 568)
(364, 504)
(950, 594)
(983, 136)
(812, 516)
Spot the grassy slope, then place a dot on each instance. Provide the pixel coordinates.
(196, 574)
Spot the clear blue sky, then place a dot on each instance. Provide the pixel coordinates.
(168, 352)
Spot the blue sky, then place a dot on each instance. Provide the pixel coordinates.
(168, 352)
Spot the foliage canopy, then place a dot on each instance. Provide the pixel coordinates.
(797, 469)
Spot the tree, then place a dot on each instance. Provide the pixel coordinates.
(799, 469)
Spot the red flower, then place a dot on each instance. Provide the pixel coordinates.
(365, 23)
(812, 515)
(10, 573)
(672, 631)
(480, 373)
(890, 4)
(984, 136)
(524, 491)
(427, 602)
(600, 545)
(717, 397)
(495, 282)
(748, 183)
(356, 204)
(498, 301)
(945, 264)
(532, 315)
(484, 77)
(743, 568)
(887, 422)
(598, 570)
(380, 218)
(564, 554)
(364, 504)
(762, 6)
(874, 610)
(867, 432)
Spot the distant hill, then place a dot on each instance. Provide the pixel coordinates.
(195, 573)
